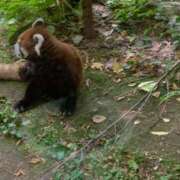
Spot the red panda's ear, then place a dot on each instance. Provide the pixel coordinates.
(38, 40)
(38, 22)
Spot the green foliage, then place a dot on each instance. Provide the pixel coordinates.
(170, 95)
(58, 151)
(111, 162)
(49, 135)
(9, 121)
(114, 163)
(19, 10)
(73, 175)
(129, 10)
(73, 172)
(19, 14)
(174, 30)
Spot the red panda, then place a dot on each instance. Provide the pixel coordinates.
(53, 68)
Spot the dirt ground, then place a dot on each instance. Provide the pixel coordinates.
(98, 97)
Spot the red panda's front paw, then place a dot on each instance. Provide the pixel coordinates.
(26, 72)
(20, 107)
(67, 109)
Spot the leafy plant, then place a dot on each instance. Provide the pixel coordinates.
(14, 13)
(129, 10)
(73, 175)
(9, 121)
(170, 95)
(49, 135)
(17, 11)
(174, 30)
(71, 171)
(58, 151)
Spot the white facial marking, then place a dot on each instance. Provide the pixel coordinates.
(25, 53)
(17, 50)
(20, 52)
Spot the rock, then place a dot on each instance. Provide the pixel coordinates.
(77, 39)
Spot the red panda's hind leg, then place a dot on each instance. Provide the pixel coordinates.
(68, 104)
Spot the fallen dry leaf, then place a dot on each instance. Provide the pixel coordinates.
(98, 119)
(119, 98)
(132, 84)
(162, 50)
(155, 46)
(117, 67)
(109, 64)
(178, 99)
(137, 122)
(99, 8)
(117, 80)
(166, 120)
(130, 55)
(108, 33)
(177, 54)
(159, 133)
(167, 51)
(88, 82)
(124, 33)
(174, 86)
(156, 94)
(19, 172)
(36, 160)
(69, 128)
(178, 76)
(97, 66)
(147, 86)
(19, 142)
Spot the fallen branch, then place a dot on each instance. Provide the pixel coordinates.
(11, 71)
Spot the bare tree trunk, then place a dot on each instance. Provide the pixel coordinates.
(89, 32)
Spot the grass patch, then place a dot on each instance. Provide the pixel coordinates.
(113, 162)
(9, 121)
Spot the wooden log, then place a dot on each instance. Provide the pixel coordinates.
(11, 71)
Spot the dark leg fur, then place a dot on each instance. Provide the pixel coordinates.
(50, 82)
(69, 104)
(26, 73)
(33, 93)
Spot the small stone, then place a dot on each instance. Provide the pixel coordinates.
(77, 39)
(166, 120)
(137, 122)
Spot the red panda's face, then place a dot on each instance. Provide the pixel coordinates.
(29, 42)
(24, 44)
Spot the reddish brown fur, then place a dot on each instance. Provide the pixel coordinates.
(61, 51)
(58, 70)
